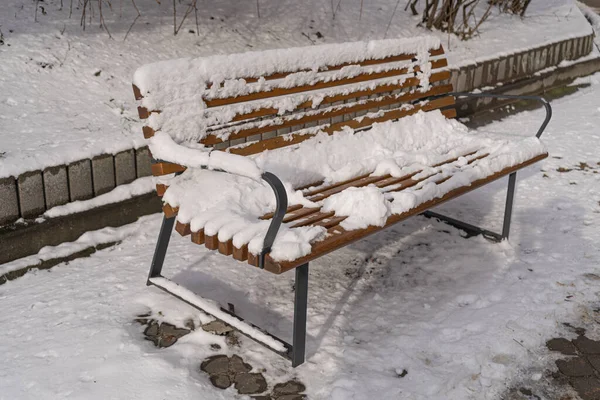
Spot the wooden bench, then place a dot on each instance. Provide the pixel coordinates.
(325, 89)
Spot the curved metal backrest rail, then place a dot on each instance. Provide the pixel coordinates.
(542, 100)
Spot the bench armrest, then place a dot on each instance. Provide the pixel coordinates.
(280, 210)
(544, 102)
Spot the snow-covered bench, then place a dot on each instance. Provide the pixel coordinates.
(279, 157)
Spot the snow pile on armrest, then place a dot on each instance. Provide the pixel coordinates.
(164, 148)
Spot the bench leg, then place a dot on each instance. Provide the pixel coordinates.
(473, 230)
(161, 248)
(300, 306)
(510, 196)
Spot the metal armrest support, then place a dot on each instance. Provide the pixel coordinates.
(544, 102)
(280, 210)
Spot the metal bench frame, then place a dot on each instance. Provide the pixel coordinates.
(295, 352)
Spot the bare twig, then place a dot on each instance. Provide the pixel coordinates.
(187, 12)
(391, 18)
(361, 10)
(336, 8)
(131, 27)
(308, 37)
(36, 8)
(196, 17)
(174, 18)
(257, 8)
(102, 23)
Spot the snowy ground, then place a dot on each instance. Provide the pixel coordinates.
(95, 112)
(466, 318)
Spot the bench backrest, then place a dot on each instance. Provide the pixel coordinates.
(252, 102)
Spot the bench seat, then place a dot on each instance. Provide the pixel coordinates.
(416, 163)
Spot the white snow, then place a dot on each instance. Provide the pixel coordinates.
(466, 318)
(363, 206)
(120, 193)
(215, 311)
(164, 148)
(212, 201)
(96, 114)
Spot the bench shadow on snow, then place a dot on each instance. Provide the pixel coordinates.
(218, 278)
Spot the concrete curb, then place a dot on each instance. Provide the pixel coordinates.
(21, 240)
(47, 264)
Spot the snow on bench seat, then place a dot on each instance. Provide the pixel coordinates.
(370, 180)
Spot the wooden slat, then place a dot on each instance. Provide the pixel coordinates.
(143, 112)
(382, 87)
(289, 209)
(211, 242)
(288, 140)
(308, 186)
(314, 218)
(169, 211)
(294, 215)
(401, 57)
(165, 168)
(335, 241)
(318, 115)
(323, 188)
(148, 132)
(330, 222)
(161, 188)
(450, 113)
(320, 84)
(137, 93)
(240, 254)
(183, 229)
(354, 183)
(391, 115)
(226, 248)
(198, 237)
(253, 259)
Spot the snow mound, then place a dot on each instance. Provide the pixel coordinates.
(363, 206)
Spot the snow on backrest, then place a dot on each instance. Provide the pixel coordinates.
(255, 101)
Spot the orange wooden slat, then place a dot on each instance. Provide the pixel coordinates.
(289, 210)
(165, 168)
(382, 87)
(400, 57)
(317, 115)
(211, 242)
(183, 229)
(330, 222)
(313, 218)
(198, 237)
(240, 254)
(354, 183)
(320, 84)
(169, 211)
(161, 188)
(148, 132)
(391, 115)
(226, 248)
